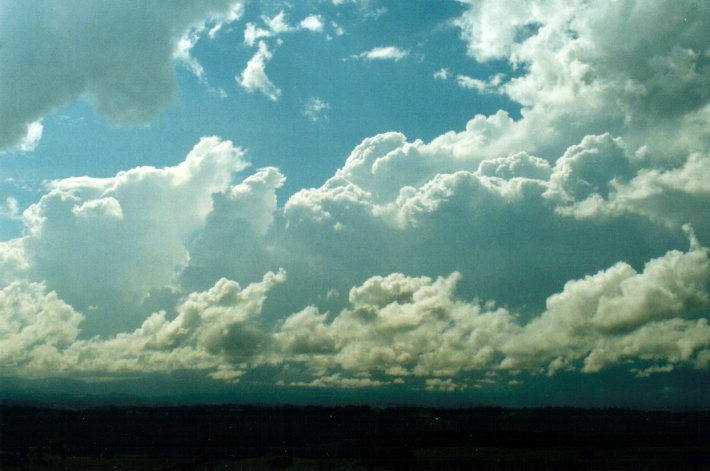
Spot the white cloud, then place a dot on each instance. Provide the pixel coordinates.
(588, 66)
(231, 15)
(32, 138)
(253, 201)
(35, 329)
(13, 264)
(121, 58)
(606, 163)
(672, 197)
(621, 314)
(392, 53)
(312, 23)
(616, 315)
(213, 331)
(253, 33)
(127, 233)
(395, 326)
(315, 109)
(278, 25)
(442, 74)
(490, 86)
(254, 78)
(472, 83)
(9, 208)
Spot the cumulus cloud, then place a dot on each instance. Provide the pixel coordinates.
(254, 79)
(253, 201)
(312, 23)
(621, 314)
(371, 216)
(128, 78)
(13, 264)
(669, 196)
(213, 331)
(577, 205)
(592, 61)
(127, 233)
(392, 53)
(395, 328)
(402, 326)
(36, 327)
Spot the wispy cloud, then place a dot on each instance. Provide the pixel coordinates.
(481, 86)
(315, 109)
(254, 78)
(442, 74)
(278, 25)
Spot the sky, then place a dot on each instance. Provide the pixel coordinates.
(452, 201)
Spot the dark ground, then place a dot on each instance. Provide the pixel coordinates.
(332, 438)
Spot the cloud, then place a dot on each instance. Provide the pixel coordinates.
(9, 208)
(336, 381)
(401, 326)
(371, 215)
(445, 385)
(671, 197)
(121, 58)
(315, 109)
(13, 264)
(621, 314)
(254, 78)
(278, 25)
(312, 23)
(395, 328)
(253, 201)
(538, 244)
(214, 331)
(442, 74)
(253, 33)
(32, 138)
(592, 61)
(383, 53)
(36, 327)
(369, 9)
(275, 26)
(124, 234)
(490, 86)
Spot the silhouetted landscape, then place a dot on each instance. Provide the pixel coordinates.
(350, 437)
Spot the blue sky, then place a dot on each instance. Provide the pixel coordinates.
(465, 200)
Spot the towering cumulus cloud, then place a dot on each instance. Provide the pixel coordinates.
(551, 243)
